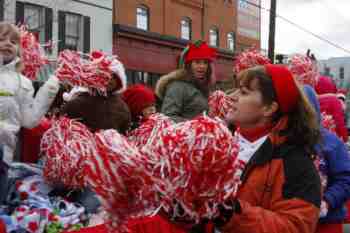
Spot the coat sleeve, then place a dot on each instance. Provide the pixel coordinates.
(33, 109)
(173, 102)
(338, 190)
(291, 205)
(293, 216)
(339, 118)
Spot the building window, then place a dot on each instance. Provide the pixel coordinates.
(136, 77)
(37, 18)
(231, 41)
(34, 18)
(186, 29)
(341, 72)
(327, 71)
(142, 18)
(73, 31)
(2, 9)
(214, 37)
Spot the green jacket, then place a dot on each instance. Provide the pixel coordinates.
(181, 99)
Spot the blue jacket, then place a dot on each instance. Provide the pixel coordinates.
(335, 165)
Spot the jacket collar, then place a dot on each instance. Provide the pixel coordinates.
(12, 65)
(265, 154)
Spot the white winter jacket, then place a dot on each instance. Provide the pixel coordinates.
(18, 107)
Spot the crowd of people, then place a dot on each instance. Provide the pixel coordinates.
(85, 152)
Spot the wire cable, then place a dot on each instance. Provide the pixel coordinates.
(300, 27)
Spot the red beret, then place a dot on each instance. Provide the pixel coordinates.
(285, 87)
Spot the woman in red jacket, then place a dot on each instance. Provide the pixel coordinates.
(277, 130)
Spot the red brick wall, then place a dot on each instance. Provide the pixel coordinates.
(166, 15)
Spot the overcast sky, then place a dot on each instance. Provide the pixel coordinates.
(328, 18)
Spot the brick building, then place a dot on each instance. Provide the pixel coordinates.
(148, 35)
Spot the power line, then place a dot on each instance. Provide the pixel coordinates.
(300, 27)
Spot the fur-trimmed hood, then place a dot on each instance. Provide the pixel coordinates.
(179, 74)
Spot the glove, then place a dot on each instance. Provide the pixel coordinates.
(53, 85)
(324, 209)
(226, 212)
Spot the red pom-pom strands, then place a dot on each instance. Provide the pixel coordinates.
(219, 104)
(186, 169)
(67, 145)
(118, 176)
(94, 72)
(304, 69)
(328, 122)
(249, 59)
(32, 54)
(146, 132)
(187, 161)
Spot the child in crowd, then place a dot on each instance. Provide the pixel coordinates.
(141, 102)
(18, 107)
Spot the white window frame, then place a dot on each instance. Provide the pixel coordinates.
(142, 17)
(214, 37)
(186, 28)
(231, 41)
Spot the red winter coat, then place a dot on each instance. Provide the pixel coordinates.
(330, 104)
(325, 85)
(31, 141)
(2, 227)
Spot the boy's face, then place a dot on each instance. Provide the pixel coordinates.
(9, 42)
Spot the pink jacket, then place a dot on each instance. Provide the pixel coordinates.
(331, 105)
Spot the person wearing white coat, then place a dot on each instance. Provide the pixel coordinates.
(18, 107)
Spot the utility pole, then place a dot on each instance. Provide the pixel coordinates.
(202, 19)
(272, 30)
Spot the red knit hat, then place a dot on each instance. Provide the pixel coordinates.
(200, 51)
(138, 97)
(285, 87)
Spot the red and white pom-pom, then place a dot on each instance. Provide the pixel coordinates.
(328, 122)
(94, 73)
(146, 132)
(117, 176)
(32, 54)
(187, 161)
(249, 59)
(219, 104)
(304, 69)
(67, 145)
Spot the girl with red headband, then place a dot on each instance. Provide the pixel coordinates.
(277, 130)
(184, 92)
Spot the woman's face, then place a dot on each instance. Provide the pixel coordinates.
(199, 69)
(248, 109)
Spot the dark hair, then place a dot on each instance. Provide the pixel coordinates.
(99, 112)
(203, 87)
(303, 127)
(188, 68)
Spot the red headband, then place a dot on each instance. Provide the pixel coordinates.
(285, 87)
